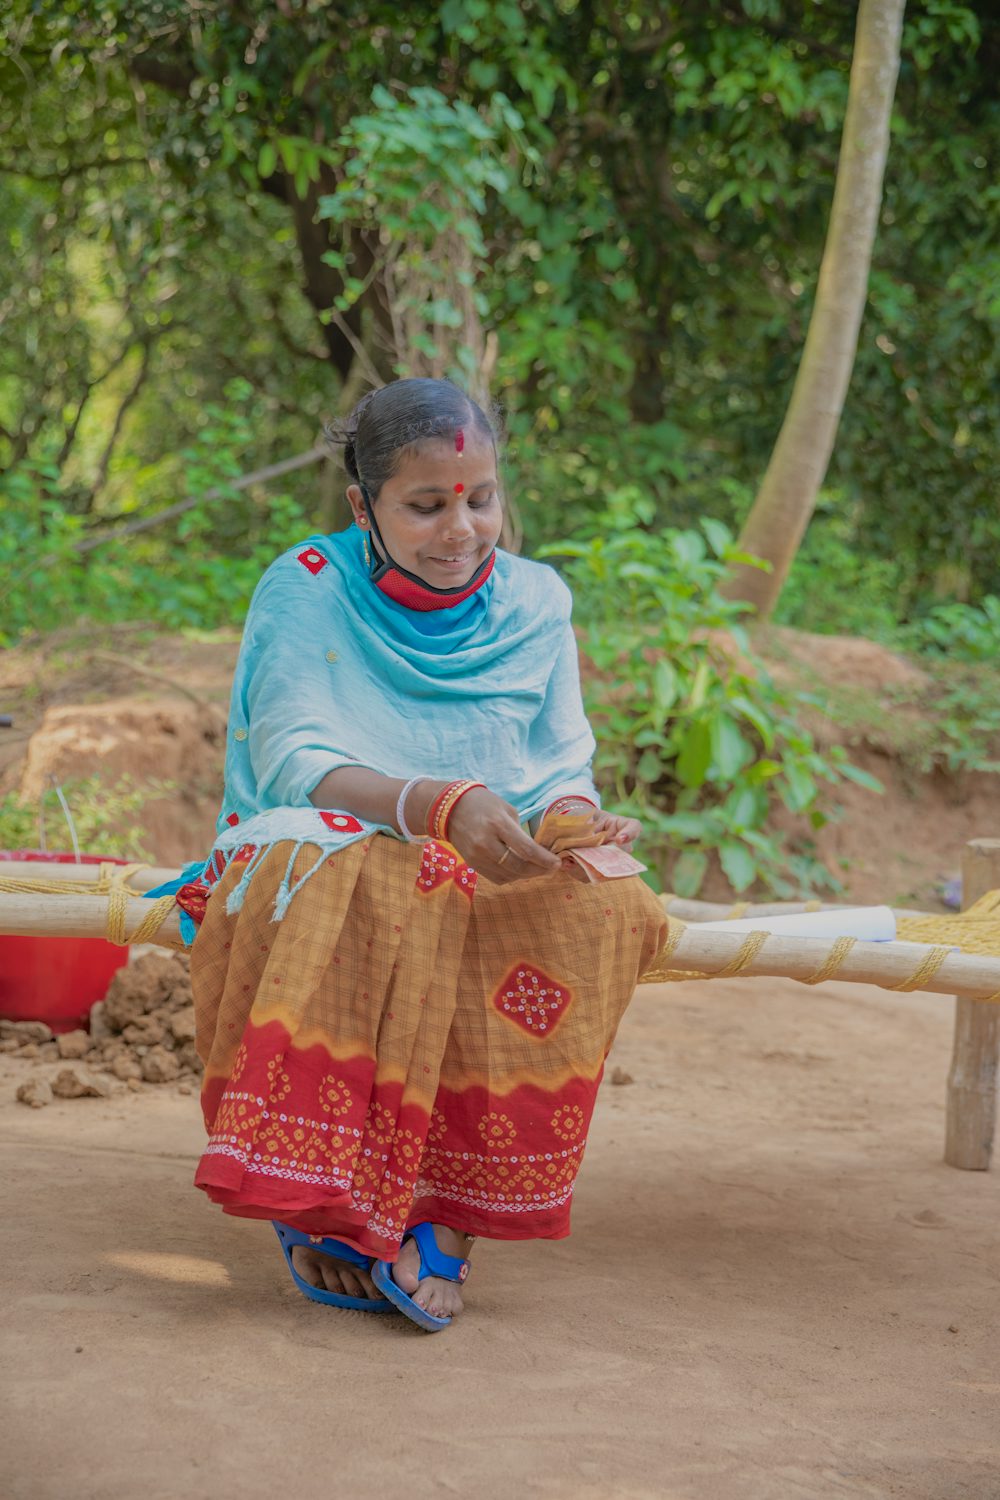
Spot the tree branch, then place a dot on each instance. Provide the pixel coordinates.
(259, 476)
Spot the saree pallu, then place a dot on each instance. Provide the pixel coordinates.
(405, 1046)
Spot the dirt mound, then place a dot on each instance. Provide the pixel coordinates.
(176, 748)
(142, 1032)
(838, 660)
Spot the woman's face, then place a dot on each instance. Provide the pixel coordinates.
(440, 513)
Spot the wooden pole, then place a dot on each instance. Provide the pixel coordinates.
(32, 915)
(972, 1079)
(687, 911)
(145, 879)
(699, 953)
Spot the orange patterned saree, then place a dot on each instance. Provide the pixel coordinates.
(407, 1044)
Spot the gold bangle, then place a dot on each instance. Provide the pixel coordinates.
(447, 803)
(444, 809)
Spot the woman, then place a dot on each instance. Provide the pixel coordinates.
(404, 1000)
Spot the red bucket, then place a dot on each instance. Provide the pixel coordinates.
(53, 979)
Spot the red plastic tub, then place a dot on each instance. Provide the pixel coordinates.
(55, 980)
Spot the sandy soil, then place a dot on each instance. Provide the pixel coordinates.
(774, 1291)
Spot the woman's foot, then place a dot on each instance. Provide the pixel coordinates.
(442, 1299)
(332, 1275)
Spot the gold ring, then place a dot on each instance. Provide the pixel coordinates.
(507, 851)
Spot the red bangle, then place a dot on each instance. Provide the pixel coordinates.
(563, 804)
(444, 805)
(449, 808)
(435, 807)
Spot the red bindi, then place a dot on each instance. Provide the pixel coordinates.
(460, 489)
(459, 442)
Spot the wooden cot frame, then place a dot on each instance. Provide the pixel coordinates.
(124, 914)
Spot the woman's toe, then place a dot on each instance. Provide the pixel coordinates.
(368, 1287)
(307, 1266)
(332, 1279)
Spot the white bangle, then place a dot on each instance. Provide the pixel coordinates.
(413, 838)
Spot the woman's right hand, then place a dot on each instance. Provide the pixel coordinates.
(483, 828)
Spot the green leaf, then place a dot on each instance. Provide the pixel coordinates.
(738, 863)
(730, 751)
(862, 778)
(689, 871)
(650, 767)
(719, 536)
(687, 825)
(742, 808)
(665, 685)
(267, 159)
(695, 755)
(757, 716)
(800, 788)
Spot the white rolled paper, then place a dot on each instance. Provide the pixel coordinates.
(872, 924)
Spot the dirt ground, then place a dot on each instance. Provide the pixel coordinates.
(774, 1291)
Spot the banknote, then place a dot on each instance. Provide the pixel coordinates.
(605, 863)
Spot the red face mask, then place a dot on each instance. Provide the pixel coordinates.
(405, 587)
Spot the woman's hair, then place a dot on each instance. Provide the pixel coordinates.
(396, 417)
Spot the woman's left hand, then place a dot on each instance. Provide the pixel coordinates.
(621, 832)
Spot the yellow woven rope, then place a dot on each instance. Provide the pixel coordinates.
(110, 877)
(974, 931)
(841, 948)
(923, 972)
(748, 952)
(661, 974)
(118, 900)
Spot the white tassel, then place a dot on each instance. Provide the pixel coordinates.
(236, 897)
(283, 900)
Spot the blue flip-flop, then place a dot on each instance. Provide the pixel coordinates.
(289, 1237)
(433, 1262)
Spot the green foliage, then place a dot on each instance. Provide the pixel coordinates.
(639, 195)
(835, 586)
(217, 550)
(966, 719)
(694, 738)
(108, 818)
(960, 632)
(960, 649)
(384, 191)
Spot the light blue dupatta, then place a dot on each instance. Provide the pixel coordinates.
(332, 673)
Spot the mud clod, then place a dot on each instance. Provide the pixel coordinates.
(75, 1083)
(160, 1066)
(142, 1032)
(36, 1093)
(73, 1044)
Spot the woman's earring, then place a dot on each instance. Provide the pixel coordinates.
(368, 559)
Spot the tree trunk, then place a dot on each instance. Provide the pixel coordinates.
(787, 495)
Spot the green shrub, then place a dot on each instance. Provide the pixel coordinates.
(694, 738)
(835, 586)
(107, 817)
(961, 632)
(198, 570)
